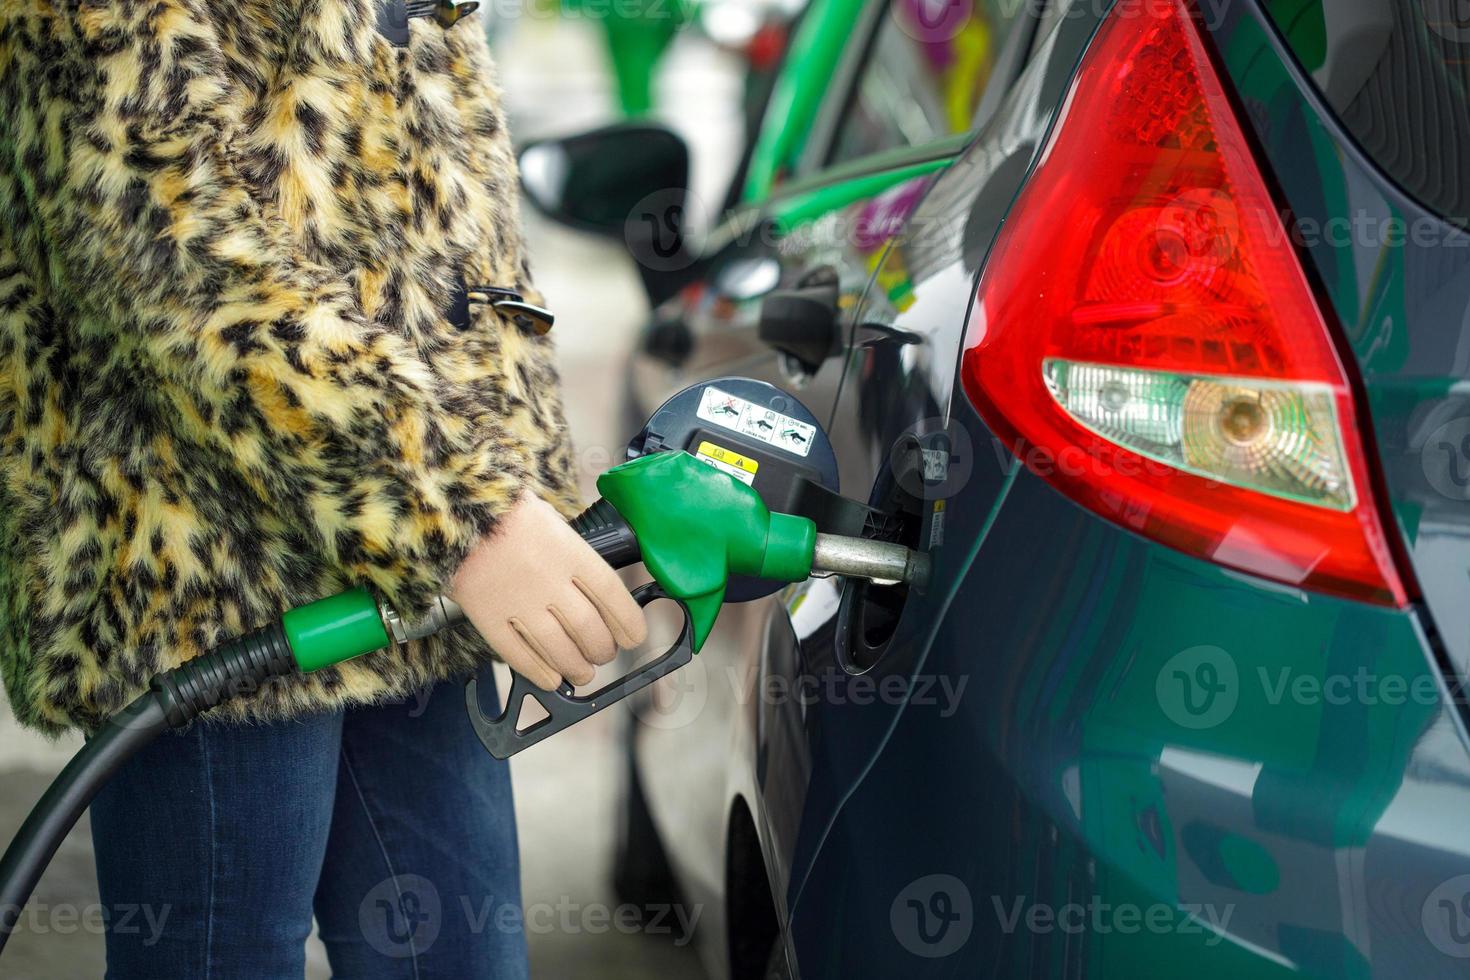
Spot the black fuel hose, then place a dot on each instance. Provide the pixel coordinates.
(35, 845)
(175, 698)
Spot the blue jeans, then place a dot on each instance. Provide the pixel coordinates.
(392, 825)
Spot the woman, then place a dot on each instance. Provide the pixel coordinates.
(236, 374)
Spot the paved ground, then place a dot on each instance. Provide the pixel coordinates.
(566, 788)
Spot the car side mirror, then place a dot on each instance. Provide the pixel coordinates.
(628, 182)
(802, 323)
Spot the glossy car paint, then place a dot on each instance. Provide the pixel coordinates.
(1081, 753)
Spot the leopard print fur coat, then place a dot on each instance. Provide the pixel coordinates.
(230, 231)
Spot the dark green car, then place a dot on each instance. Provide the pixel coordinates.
(1151, 322)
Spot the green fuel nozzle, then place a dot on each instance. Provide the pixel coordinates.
(697, 526)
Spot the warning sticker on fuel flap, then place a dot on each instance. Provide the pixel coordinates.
(771, 428)
(725, 460)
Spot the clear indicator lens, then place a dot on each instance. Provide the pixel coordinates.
(1279, 438)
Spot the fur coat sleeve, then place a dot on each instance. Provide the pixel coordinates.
(227, 384)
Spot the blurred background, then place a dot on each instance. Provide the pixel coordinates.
(701, 68)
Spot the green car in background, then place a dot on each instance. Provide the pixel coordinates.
(1150, 321)
(639, 33)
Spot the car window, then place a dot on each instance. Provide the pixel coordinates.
(925, 74)
(1398, 76)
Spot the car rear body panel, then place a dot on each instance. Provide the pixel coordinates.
(1220, 775)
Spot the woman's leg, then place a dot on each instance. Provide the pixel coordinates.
(422, 875)
(209, 846)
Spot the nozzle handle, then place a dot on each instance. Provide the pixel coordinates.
(502, 735)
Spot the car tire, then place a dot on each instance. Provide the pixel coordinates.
(642, 876)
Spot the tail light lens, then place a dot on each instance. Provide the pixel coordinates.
(1146, 338)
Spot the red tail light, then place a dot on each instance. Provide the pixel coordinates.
(1146, 338)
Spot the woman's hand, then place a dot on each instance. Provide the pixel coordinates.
(547, 603)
